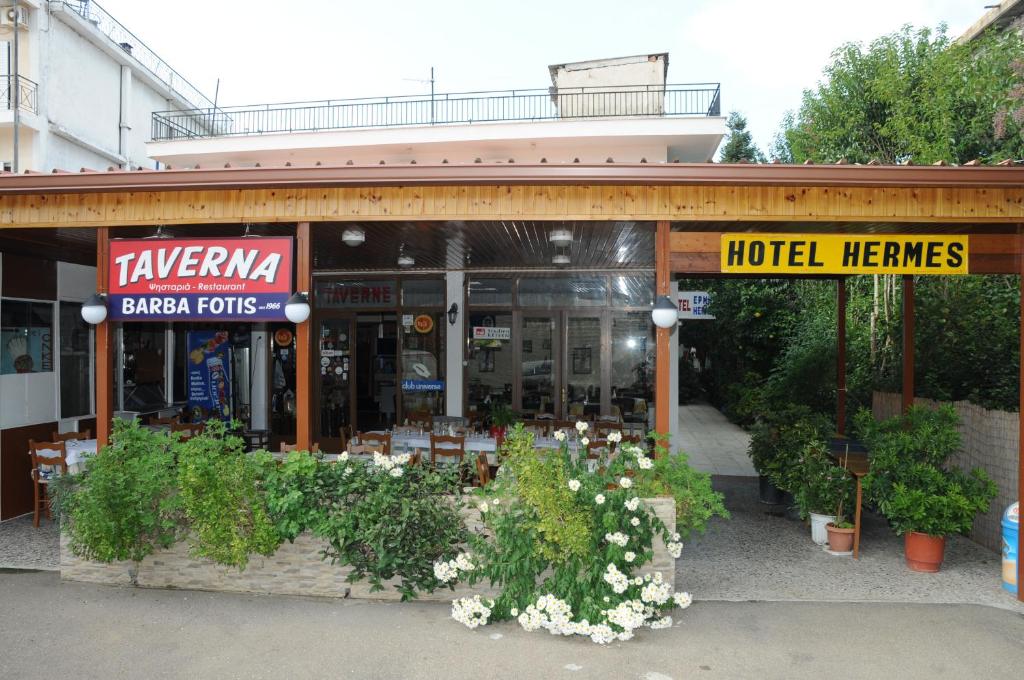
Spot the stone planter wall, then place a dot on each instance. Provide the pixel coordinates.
(295, 569)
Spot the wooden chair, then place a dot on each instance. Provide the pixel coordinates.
(421, 419)
(170, 420)
(603, 428)
(539, 428)
(48, 458)
(452, 447)
(377, 441)
(567, 426)
(598, 448)
(345, 434)
(189, 430)
(475, 420)
(483, 470)
(68, 436)
(288, 448)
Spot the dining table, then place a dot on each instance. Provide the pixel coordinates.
(77, 450)
(474, 443)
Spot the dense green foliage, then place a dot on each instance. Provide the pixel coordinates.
(696, 501)
(221, 498)
(739, 144)
(125, 505)
(824, 487)
(779, 440)
(910, 478)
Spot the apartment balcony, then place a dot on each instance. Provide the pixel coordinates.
(20, 90)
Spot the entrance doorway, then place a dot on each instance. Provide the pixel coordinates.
(376, 374)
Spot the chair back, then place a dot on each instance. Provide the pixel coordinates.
(68, 436)
(447, 447)
(597, 448)
(190, 429)
(604, 428)
(483, 470)
(421, 419)
(345, 434)
(406, 429)
(377, 441)
(538, 428)
(47, 457)
(288, 448)
(169, 420)
(545, 416)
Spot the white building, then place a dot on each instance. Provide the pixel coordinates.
(87, 88)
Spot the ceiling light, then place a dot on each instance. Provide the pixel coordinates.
(353, 237)
(560, 238)
(405, 261)
(560, 259)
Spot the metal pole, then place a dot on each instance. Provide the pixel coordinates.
(431, 95)
(14, 82)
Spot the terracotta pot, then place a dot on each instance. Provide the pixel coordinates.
(923, 552)
(839, 540)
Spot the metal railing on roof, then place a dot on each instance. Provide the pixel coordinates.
(701, 99)
(26, 89)
(130, 43)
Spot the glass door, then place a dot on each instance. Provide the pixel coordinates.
(337, 360)
(539, 365)
(585, 357)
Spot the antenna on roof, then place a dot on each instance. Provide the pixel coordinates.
(431, 81)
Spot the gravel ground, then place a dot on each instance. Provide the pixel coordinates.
(757, 555)
(22, 546)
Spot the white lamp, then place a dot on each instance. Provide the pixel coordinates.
(405, 261)
(297, 308)
(94, 310)
(353, 237)
(560, 258)
(664, 314)
(560, 238)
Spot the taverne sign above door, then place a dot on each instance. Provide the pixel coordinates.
(843, 254)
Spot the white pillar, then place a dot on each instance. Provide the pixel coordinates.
(259, 388)
(673, 374)
(454, 343)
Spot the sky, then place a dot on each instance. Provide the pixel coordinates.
(763, 52)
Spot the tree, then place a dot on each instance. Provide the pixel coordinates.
(740, 146)
(914, 96)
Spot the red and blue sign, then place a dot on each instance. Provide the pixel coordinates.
(223, 279)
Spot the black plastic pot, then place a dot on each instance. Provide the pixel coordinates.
(770, 494)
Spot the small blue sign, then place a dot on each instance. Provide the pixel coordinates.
(422, 385)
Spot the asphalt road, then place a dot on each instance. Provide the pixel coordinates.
(50, 629)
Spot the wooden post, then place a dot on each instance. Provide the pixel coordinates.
(303, 342)
(1020, 419)
(908, 342)
(662, 396)
(841, 356)
(104, 346)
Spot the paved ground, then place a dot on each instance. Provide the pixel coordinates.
(25, 547)
(711, 442)
(758, 555)
(64, 630)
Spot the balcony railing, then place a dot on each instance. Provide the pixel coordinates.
(701, 99)
(26, 89)
(130, 43)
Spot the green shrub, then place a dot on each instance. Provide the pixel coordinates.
(778, 441)
(388, 519)
(825, 487)
(125, 503)
(220, 495)
(910, 478)
(696, 501)
(295, 493)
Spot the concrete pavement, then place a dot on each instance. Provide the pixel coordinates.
(51, 629)
(712, 443)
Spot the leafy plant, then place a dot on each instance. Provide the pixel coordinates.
(295, 494)
(696, 501)
(388, 519)
(125, 503)
(221, 498)
(824, 486)
(778, 441)
(910, 478)
(502, 415)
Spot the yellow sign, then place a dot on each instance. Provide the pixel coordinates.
(843, 254)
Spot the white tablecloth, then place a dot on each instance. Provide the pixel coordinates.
(77, 452)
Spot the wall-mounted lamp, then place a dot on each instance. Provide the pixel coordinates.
(94, 310)
(664, 314)
(297, 308)
(453, 313)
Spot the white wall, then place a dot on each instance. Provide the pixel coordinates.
(454, 344)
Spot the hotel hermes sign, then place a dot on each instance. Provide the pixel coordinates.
(223, 279)
(843, 254)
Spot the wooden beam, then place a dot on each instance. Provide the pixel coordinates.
(908, 342)
(841, 355)
(304, 342)
(662, 393)
(104, 341)
(1020, 419)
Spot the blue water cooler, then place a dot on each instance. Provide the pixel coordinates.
(1011, 530)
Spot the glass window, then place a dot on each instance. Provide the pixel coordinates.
(490, 292)
(423, 292)
(143, 366)
(632, 290)
(489, 361)
(26, 337)
(423, 365)
(633, 349)
(583, 291)
(356, 294)
(75, 362)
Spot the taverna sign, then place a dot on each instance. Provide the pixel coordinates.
(230, 279)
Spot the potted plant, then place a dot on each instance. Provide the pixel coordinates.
(840, 532)
(502, 416)
(823, 487)
(776, 445)
(921, 495)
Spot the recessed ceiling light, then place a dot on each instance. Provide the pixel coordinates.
(405, 261)
(560, 238)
